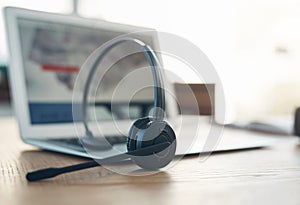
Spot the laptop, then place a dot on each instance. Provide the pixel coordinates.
(46, 54)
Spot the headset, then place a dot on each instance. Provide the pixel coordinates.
(151, 141)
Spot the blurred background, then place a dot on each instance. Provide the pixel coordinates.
(253, 44)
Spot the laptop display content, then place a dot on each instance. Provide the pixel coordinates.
(52, 56)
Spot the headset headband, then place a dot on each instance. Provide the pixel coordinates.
(159, 94)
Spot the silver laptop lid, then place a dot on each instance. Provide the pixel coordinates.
(46, 53)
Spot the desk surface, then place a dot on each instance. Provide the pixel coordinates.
(265, 176)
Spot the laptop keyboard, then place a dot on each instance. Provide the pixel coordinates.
(74, 143)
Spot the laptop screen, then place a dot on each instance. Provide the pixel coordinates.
(53, 54)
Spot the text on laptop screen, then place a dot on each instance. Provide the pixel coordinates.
(53, 54)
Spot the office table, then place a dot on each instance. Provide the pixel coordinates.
(269, 175)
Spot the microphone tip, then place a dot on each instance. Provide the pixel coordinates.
(41, 174)
(29, 177)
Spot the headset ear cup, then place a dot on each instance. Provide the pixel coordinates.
(138, 124)
(156, 132)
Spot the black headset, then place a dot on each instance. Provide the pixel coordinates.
(151, 141)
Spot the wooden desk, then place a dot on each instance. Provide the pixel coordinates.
(262, 176)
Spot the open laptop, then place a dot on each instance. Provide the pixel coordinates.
(46, 54)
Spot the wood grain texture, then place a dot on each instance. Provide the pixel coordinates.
(262, 176)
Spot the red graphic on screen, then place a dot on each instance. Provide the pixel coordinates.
(60, 68)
